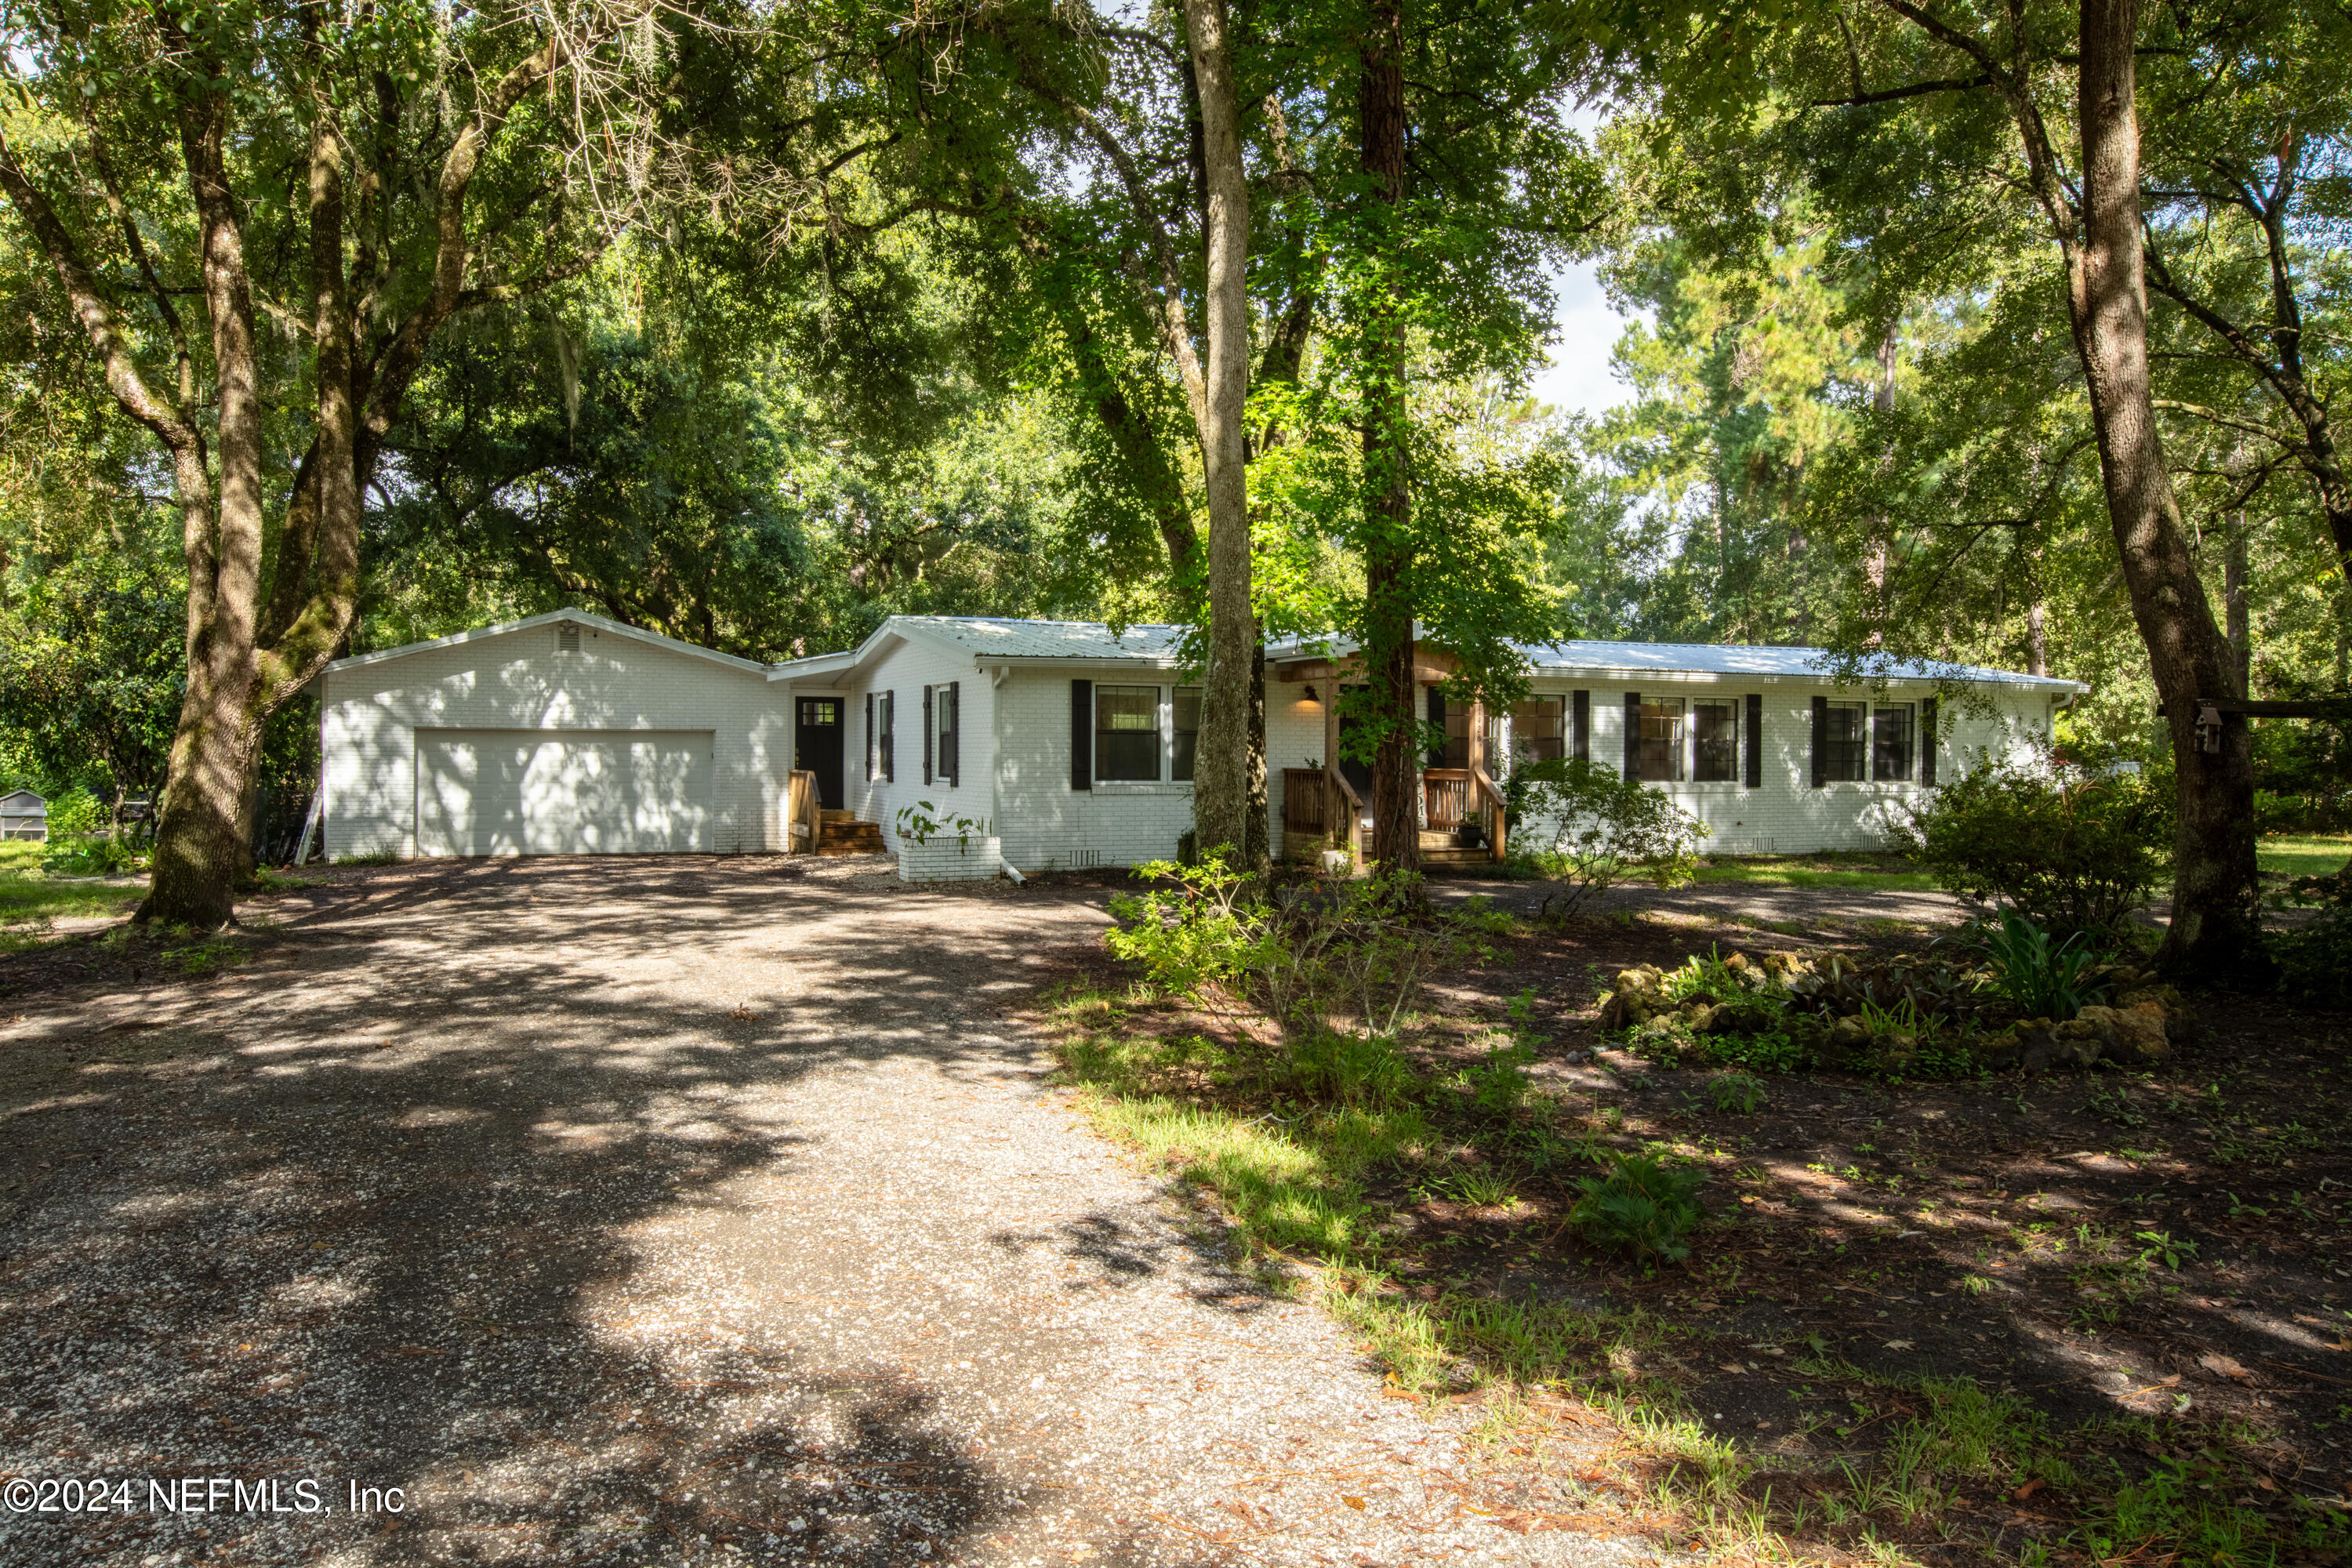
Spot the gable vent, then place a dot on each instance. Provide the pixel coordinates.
(567, 639)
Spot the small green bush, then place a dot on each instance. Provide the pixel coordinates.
(1739, 1091)
(90, 854)
(2314, 959)
(1643, 1206)
(1587, 829)
(76, 813)
(2071, 851)
(2044, 979)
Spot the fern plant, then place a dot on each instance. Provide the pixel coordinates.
(1643, 1206)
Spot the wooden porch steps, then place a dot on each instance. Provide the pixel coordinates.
(840, 833)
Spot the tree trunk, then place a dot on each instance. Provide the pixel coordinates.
(201, 845)
(2235, 609)
(1220, 778)
(1389, 556)
(2214, 932)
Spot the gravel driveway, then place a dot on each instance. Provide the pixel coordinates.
(660, 1211)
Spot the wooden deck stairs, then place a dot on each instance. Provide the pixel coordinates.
(1442, 849)
(840, 833)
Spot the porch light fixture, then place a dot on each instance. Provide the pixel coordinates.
(1311, 695)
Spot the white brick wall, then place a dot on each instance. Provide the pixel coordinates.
(1786, 815)
(1046, 825)
(905, 669)
(370, 714)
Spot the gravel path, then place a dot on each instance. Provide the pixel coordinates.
(670, 1211)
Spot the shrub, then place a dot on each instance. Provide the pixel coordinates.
(1332, 966)
(1588, 829)
(95, 855)
(76, 813)
(2072, 852)
(2314, 959)
(1643, 1206)
(2044, 979)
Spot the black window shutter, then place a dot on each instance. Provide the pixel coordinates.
(927, 733)
(953, 740)
(1755, 742)
(1821, 741)
(1927, 741)
(1632, 735)
(1581, 739)
(1082, 734)
(869, 737)
(890, 736)
(1437, 717)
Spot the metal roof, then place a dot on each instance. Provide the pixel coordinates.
(22, 803)
(1714, 658)
(1748, 658)
(988, 637)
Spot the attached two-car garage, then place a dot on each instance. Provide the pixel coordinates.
(536, 791)
(566, 733)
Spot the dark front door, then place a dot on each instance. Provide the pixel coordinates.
(816, 746)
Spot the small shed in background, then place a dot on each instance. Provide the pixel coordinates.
(23, 814)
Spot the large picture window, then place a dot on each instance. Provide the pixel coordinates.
(1539, 729)
(1714, 739)
(1845, 743)
(1187, 707)
(1661, 757)
(1127, 734)
(1890, 742)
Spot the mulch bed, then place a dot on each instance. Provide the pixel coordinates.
(2009, 1230)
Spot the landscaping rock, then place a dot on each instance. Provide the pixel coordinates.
(1700, 1016)
(1999, 1053)
(2037, 1044)
(2133, 1036)
(2078, 1041)
(2177, 1012)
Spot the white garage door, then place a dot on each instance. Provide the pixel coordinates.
(562, 791)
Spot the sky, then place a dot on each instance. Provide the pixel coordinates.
(1577, 380)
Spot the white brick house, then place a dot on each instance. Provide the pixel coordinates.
(1068, 745)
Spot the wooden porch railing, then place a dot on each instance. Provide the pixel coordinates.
(1446, 795)
(802, 806)
(1302, 801)
(1351, 820)
(1497, 823)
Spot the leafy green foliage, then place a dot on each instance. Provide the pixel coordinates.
(2315, 957)
(1641, 1206)
(2044, 979)
(1336, 967)
(2073, 853)
(1739, 1091)
(1588, 829)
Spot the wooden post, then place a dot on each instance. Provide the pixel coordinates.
(1339, 829)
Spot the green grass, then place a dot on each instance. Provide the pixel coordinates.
(1291, 1176)
(30, 898)
(1885, 873)
(2304, 854)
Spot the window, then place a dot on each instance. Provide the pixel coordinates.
(944, 722)
(1187, 709)
(1890, 743)
(886, 743)
(1845, 743)
(1661, 757)
(1127, 734)
(1538, 729)
(1715, 733)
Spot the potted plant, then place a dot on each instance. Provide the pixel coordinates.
(1470, 834)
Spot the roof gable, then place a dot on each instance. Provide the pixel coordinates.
(552, 617)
